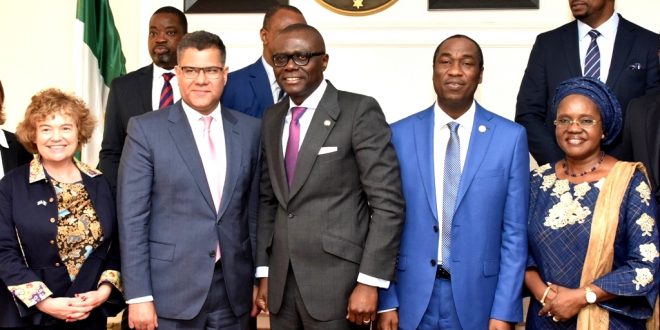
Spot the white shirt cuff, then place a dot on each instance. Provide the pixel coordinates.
(262, 271)
(140, 300)
(386, 310)
(373, 281)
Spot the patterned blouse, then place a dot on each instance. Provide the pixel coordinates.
(560, 216)
(79, 232)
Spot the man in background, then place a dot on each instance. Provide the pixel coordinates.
(149, 88)
(599, 43)
(253, 88)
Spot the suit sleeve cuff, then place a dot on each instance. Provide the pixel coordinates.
(112, 277)
(30, 293)
(140, 300)
(373, 281)
(262, 271)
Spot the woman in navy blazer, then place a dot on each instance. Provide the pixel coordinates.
(12, 153)
(59, 257)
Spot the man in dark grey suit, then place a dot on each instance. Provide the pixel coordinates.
(628, 65)
(139, 91)
(187, 202)
(331, 204)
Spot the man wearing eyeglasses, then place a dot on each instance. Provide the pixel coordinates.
(331, 204)
(187, 202)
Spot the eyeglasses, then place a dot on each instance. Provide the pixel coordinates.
(301, 59)
(582, 122)
(211, 72)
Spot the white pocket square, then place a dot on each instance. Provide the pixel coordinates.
(327, 150)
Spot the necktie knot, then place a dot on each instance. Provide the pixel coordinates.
(594, 34)
(296, 113)
(453, 127)
(207, 123)
(167, 76)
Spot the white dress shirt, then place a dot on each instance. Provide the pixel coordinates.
(157, 86)
(274, 87)
(3, 144)
(605, 43)
(440, 140)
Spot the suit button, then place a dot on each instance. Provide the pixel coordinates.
(434, 263)
(57, 264)
(51, 199)
(291, 215)
(52, 220)
(52, 242)
(435, 228)
(212, 254)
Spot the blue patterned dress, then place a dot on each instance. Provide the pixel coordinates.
(560, 217)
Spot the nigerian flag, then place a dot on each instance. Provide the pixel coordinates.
(98, 59)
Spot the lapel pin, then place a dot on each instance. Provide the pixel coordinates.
(41, 202)
(482, 128)
(327, 123)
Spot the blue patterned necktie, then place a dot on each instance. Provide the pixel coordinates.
(450, 182)
(592, 60)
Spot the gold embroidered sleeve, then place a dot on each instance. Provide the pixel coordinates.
(31, 293)
(113, 277)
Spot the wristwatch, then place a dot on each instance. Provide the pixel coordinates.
(590, 295)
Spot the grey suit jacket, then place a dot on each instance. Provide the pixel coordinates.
(344, 212)
(168, 225)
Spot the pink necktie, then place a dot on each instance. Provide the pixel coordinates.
(292, 144)
(209, 159)
(166, 94)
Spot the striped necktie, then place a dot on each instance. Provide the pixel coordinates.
(166, 94)
(592, 60)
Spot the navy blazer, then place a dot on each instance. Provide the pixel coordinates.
(130, 95)
(248, 90)
(30, 209)
(555, 57)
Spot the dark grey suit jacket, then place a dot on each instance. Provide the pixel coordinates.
(15, 155)
(555, 57)
(641, 136)
(168, 225)
(130, 95)
(344, 212)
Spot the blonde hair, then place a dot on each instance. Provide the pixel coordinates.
(48, 103)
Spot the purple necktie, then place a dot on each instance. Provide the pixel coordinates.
(292, 144)
(166, 95)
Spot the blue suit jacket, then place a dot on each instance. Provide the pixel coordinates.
(489, 235)
(168, 225)
(555, 57)
(248, 90)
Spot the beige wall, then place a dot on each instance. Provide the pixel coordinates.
(386, 55)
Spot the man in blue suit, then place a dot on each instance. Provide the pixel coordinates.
(465, 174)
(187, 202)
(628, 65)
(253, 88)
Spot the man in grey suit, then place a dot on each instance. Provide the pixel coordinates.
(187, 202)
(331, 205)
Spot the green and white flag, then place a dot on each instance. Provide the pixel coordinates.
(98, 60)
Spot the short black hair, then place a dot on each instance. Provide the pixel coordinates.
(201, 40)
(274, 9)
(306, 28)
(456, 36)
(176, 12)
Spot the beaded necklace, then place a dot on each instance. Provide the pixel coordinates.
(600, 161)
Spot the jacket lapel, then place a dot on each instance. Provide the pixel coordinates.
(233, 158)
(623, 44)
(184, 141)
(653, 138)
(317, 133)
(260, 84)
(571, 42)
(423, 134)
(275, 154)
(479, 142)
(145, 81)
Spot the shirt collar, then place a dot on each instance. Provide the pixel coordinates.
(194, 115)
(158, 71)
(313, 100)
(607, 29)
(3, 140)
(38, 173)
(465, 120)
(269, 71)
